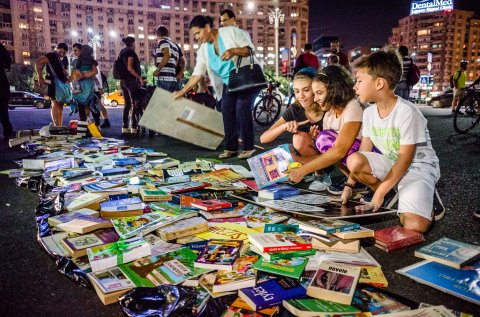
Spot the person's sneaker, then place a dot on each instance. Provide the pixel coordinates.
(317, 186)
(337, 188)
(125, 130)
(133, 130)
(246, 154)
(388, 201)
(309, 178)
(227, 154)
(476, 213)
(438, 207)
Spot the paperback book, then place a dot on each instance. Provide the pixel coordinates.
(226, 231)
(77, 246)
(286, 255)
(126, 204)
(271, 166)
(361, 232)
(267, 312)
(84, 201)
(66, 217)
(219, 255)
(166, 162)
(182, 187)
(309, 199)
(378, 301)
(373, 275)
(278, 191)
(211, 204)
(449, 252)
(109, 255)
(278, 242)
(103, 186)
(171, 268)
(334, 282)
(110, 285)
(396, 238)
(312, 307)
(85, 224)
(221, 176)
(293, 267)
(323, 226)
(339, 245)
(183, 228)
(154, 195)
(241, 276)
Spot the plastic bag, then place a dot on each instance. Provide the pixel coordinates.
(160, 301)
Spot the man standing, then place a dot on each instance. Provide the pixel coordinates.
(403, 89)
(228, 18)
(335, 49)
(459, 79)
(57, 66)
(5, 62)
(168, 55)
(306, 59)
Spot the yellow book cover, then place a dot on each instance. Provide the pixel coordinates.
(226, 231)
(223, 175)
(373, 275)
(94, 130)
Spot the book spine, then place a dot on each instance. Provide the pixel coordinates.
(299, 247)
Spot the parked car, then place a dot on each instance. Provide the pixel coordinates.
(27, 99)
(442, 100)
(114, 99)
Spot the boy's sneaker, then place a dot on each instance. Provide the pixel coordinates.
(438, 207)
(320, 183)
(309, 178)
(476, 214)
(388, 201)
(337, 188)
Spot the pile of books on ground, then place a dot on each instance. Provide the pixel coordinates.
(134, 217)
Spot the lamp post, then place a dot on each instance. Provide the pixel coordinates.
(276, 17)
(94, 42)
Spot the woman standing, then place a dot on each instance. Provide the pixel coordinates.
(85, 70)
(217, 56)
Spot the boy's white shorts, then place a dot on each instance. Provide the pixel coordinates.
(415, 189)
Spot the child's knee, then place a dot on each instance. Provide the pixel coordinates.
(355, 162)
(301, 143)
(414, 222)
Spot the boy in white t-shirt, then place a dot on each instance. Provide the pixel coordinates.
(399, 130)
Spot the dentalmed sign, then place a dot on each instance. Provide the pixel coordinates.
(426, 6)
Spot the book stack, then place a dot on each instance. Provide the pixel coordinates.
(395, 238)
(126, 207)
(278, 242)
(183, 228)
(241, 276)
(77, 246)
(219, 255)
(110, 285)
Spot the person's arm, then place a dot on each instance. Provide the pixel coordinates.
(181, 68)
(164, 61)
(194, 79)
(274, 131)
(236, 51)
(344, 141)
(132, 70)
(39, 64)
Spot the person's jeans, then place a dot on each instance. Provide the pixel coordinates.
(133, 99)
(167, 85)
(402, 90)
(236, 107)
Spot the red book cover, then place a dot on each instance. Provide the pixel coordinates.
(211, 204)
(397, 237)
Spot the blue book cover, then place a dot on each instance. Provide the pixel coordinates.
(272, 293)
(449, 252)
(464, 283)
(115, 171)
(278, 191)
(125, 161)
(270, 167)
(122, 204)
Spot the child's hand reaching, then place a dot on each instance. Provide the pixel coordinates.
(314, 131)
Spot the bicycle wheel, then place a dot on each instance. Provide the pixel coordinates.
(267, 110)
(467, 113)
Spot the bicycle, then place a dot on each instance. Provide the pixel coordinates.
(467, 114)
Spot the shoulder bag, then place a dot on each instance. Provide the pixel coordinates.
(246, 78)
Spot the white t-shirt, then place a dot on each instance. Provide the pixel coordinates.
(353, 112)
(404, 125)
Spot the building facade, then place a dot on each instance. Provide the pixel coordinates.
(448, 37)
(31, 28)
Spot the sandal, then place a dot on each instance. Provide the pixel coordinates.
(227, 154)
(246, 154)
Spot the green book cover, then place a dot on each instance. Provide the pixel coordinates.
(281, 255)
(317, 306)
(170, 268)
(293, 267)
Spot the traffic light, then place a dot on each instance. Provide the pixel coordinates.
(284, 67)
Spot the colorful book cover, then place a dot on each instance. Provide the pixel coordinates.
(154, 195)
(219, 254)
(373, 275)
(278, 191)
(211, 204)
(102, 186)
(464, 283)
(78, 245)
(293, 267)
(267, 312)
(269, 228)
(257, 216)
(378, 301)
(224, 175)
(182, 187)
(278, 242)
(449, 252)
(323, 226)
(314, 306)
(183, 228)
(241, 276)
(115, 171)
(397, 237)
(125, 204)
(127, 227)
(335, 282)
(271, 166)
(226, 231)
(282, 255)
(111, 280)
(170, 268)
(272, 293)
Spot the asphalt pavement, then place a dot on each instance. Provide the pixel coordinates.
(30, 285)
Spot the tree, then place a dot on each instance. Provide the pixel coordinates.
(21, 77)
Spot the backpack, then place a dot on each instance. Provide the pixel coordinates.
(452, 79)
(413, 75)
(120, 70)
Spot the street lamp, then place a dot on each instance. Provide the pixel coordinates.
(276, 17)
(94, 42)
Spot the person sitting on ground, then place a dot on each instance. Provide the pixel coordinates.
(399, 130)
(300, 118)
(340, 137)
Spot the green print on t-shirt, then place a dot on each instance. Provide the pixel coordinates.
(388, 140)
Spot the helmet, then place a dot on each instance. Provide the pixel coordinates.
(463, 63)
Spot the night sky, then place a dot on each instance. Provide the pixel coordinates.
(369, 22)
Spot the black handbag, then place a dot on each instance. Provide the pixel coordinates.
(246, 78)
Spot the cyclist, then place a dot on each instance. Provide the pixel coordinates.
(300, 118)
(459, 84)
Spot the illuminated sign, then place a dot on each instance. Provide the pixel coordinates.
(426, 6)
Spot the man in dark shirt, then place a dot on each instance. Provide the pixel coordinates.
(307, 59)
(5, 62)
(335, 49)
(403, 89)
(168, 58)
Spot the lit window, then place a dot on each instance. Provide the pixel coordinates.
(141, 36)
(26, 54)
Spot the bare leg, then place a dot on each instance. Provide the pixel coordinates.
(57, 113)
(360, 169)
(414, 222)
(303, 144)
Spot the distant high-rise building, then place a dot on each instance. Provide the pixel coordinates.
(449, 35)
(30, 28)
